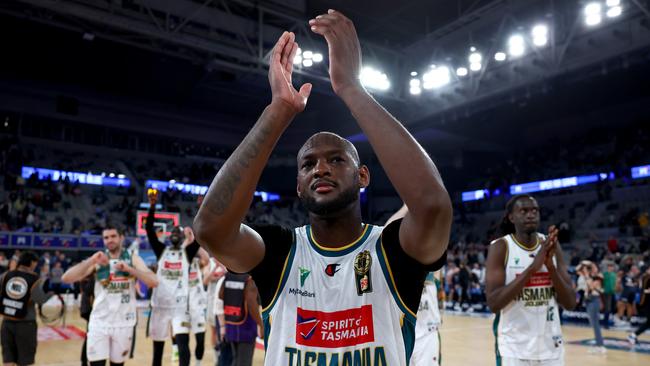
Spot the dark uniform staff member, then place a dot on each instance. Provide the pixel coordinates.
(21, 288)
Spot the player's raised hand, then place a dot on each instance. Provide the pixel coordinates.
(152, 194)
(189, 235)
(280, 71)
(545, 254)
(122, 266)
(99, 258)
(344, 49)
(552, 244)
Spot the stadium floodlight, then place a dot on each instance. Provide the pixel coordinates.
(500, 56)
(297, 60)
(475, 59)
(540, 35)
(472, 49)
(593, 14)
(308, 54)
(318, 57)
(612, 3)
(414, 83)
(415, 90)
(615, 11)
(461, 71)
(436, 78)
(516, 45)
(374, 79)
(414, 73)
(307, 62)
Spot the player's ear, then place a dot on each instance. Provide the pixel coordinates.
(364, 176)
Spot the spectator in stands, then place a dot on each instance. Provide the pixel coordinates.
(593, 288)
(626, 304)
(479, 272)
(4, 263)
(644, 306)
(461, 285)
(612, 244)
(55, 277)
(609, 291)
(65, 261)
(13, 262)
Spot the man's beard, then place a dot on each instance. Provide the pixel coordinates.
(530, 229)
(175, 241)
(332, 207)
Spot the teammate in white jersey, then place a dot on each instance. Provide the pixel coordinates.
(427, 327)
(169, 301)
(334, 289)
(213, 280)
(527, 279)
(195, 315)
(113, 315)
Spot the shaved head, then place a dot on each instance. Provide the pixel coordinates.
(330, 139)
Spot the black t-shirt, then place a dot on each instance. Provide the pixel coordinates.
(409, 274)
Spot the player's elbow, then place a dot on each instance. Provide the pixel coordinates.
(67, 278)
(492, 303)
(438, 211)
(212, 236)
(202, 232)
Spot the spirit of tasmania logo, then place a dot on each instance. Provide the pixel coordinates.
(539, 279)
(337, 329)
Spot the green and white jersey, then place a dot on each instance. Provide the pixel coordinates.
(115, 302)
(173, 279)
(197, 293)
(529, 327)
(428, 313)
(338, 306)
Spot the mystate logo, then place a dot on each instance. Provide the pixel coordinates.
(343, 328)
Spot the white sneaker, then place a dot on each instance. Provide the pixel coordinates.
(632, 339)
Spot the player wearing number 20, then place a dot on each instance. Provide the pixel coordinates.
(113, 315)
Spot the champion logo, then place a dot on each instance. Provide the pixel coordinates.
(331, 269)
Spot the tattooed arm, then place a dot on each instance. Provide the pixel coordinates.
(217, 225)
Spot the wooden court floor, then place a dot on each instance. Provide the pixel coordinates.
(465, 341)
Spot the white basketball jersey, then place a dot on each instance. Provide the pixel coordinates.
(173, 274)
(213, 291)
(115, 302)
(529, 327)
(338, 307)
(198, 297)
(428, 313)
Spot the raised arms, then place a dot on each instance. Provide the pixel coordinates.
(218, 223)
(424, 232)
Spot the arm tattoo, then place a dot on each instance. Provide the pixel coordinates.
(228, 179)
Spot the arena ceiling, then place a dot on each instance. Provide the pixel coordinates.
(101, 54)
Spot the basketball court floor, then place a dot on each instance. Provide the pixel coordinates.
(465, 341)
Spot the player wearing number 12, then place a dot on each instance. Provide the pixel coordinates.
(113, 316)
(526, 281)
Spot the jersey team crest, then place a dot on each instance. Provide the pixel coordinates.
(362, 263)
